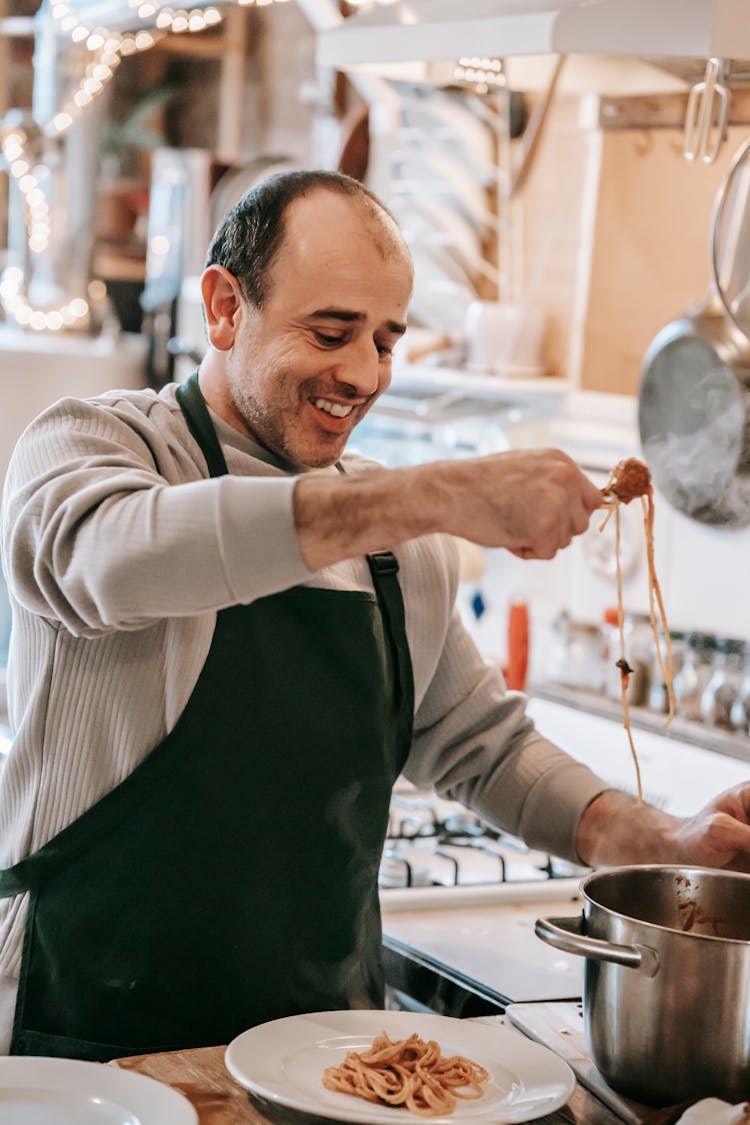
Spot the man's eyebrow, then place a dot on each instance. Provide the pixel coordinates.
(349, 316)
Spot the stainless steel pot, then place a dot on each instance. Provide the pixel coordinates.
(667, 979)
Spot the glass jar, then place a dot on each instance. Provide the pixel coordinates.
(658, 695)
(723, 687)
(693, 675)
(740, 713)
(576, 657)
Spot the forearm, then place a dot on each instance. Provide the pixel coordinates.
(529, 502)
(615, 829)
(344, 517)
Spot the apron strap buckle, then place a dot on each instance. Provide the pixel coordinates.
(384, 562)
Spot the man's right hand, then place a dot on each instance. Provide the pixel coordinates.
(531, 502)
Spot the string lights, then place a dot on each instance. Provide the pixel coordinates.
(106, 49)
(483, 74)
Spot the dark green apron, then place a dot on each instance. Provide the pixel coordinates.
(232, 877)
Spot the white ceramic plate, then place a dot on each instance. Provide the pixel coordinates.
(283, 1061)
(50, 1091)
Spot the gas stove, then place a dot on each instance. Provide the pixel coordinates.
(437, 843)
(459, 899)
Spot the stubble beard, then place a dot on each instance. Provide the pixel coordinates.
(270, 431)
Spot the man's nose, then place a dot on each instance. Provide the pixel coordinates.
(359, 366)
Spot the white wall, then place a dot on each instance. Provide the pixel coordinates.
(702, 570)
(38, 369)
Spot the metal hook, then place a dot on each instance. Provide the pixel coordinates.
(708, 102)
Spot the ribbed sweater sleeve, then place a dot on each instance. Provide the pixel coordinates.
(109, 523)
(474, 743)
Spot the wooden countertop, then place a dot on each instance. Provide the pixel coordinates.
(200, 1075)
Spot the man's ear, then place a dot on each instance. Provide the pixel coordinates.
(223, 307)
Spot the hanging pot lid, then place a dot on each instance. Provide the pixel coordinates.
(693, 412)
(694, 398)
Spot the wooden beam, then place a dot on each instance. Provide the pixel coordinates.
(661, 111)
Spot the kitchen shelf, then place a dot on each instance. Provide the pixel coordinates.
(683, 730)
(434, 30)
(427, 381)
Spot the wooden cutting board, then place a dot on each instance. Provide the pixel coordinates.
(200, 1075)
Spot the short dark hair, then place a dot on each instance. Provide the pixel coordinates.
(250, 234)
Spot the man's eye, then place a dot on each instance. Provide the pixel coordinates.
(330, 341)
(384, 349)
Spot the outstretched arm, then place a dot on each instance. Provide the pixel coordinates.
(615, 830)
(531, 503)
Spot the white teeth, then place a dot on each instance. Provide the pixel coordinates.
(334, 408)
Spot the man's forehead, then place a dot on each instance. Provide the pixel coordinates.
(318, 218)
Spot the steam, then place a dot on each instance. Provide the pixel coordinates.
(694, 432)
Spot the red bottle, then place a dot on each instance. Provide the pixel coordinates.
(518, 645)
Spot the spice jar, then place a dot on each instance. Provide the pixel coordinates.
(695, 672)
(740, 713)
(723, 687)
(575, 660)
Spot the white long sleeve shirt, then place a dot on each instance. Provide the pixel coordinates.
(119, 550)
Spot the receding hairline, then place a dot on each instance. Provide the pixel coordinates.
(251, 235)
(387, 234)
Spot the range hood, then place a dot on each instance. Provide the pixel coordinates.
(435, 30)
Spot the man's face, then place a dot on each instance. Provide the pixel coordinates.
(306, 367)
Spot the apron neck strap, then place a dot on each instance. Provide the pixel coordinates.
(193, 406)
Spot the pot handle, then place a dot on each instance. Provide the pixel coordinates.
(567, 934)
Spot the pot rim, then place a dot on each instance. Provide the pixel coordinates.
(666, 868)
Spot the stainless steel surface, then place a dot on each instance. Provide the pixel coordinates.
(693, 403)
(694, 398)
(706, 118)
(489, 944)
(559, 1026)
(454, 892)
(730, 241)
(676, 1026)
(567, 934)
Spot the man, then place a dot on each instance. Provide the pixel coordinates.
(231, 637)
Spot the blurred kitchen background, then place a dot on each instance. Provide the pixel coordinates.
(556, 169)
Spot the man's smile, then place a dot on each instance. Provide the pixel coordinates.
(337, 409)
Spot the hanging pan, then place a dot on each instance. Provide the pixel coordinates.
(694, 397)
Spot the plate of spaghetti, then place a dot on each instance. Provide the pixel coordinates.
(385, 1067)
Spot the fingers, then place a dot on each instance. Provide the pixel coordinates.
(734, 801)
(531, 502)
(719, 835)
(580, 519)
(727, 842)
(542, 550)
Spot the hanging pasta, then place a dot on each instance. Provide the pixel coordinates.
(631, 480)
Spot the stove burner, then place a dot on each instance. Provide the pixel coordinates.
(437, 843)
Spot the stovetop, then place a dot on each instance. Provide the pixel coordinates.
(438, 843)
(459, 902)
(459, 899)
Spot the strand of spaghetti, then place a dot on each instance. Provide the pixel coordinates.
(654, 596)
(409, 1073)
(608, 516)
(623, 663)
